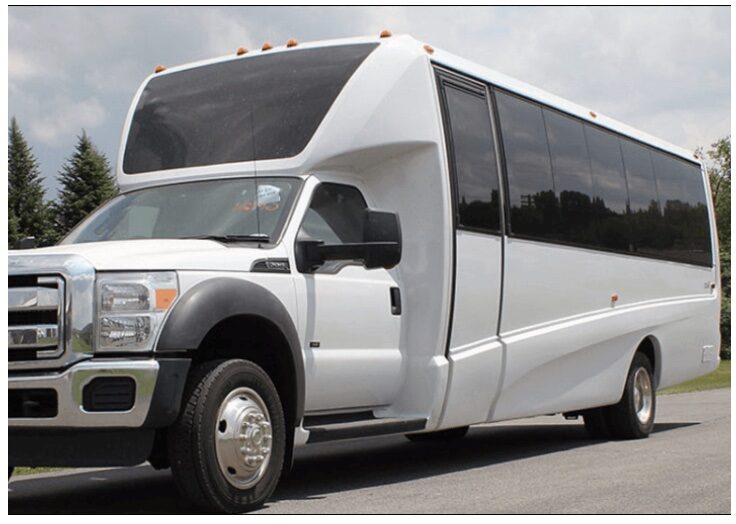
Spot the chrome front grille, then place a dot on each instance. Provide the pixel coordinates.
(35, 317)
(51, 311)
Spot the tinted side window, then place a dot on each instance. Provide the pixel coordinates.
(572, 178)
(335, 215)
(610, 198)
(646, 218)
(682, 197)
(474, 159)
(532, 199)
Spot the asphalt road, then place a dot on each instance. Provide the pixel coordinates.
(541, 465)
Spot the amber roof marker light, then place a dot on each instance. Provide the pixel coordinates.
(266, 46)
(241, 51)
(292, 42)
(385, 34)
(429, 49)
(159, 68)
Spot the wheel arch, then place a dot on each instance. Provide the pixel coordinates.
(652, 349)
(223, 304)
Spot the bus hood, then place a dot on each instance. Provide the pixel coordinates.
(163, 254)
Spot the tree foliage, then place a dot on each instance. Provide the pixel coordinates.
(85, 183)
(28, 213)
(718, 164)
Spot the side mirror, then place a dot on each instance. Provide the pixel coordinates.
(381, 246)
(26, 243)
(382, 237)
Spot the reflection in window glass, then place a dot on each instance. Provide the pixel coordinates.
(475, 169)
(609, 188)
(573, 181)
(646, 217)
(214, 207)
(686, 231)
(336, 215)
(532, 200)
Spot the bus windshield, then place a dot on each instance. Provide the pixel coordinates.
(234, 209)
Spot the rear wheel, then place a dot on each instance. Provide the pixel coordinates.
(227, 448)
(633, 416)
(10, 471)
(439, 436)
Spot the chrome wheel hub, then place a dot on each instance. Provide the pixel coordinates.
(643, 395)
(243, 438)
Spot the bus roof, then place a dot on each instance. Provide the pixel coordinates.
(453, 62)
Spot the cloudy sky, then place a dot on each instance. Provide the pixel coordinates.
(665, 70)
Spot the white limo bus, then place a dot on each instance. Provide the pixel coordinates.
(353, 238)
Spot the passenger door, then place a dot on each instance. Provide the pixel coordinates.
(474, 349)
(352, 322)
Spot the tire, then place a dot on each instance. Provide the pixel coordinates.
(10, 471)
(633, 416)
(596, 424)
(227, 402)
(445, 435)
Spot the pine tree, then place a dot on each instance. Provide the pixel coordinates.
(85, 183)
(28, 213)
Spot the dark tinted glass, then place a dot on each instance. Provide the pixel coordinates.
(572, 177)
(474, 157)
(609, 189)
(646, 217)
(532, 200)
(262, 107)
(336, 215)
(682, 197)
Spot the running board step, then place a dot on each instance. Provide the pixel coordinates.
(363, 428)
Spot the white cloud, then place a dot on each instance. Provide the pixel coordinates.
(224, 33)
(22, 67)
(67, 120)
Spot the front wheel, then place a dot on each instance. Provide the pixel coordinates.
(227, 448)
(633, 416)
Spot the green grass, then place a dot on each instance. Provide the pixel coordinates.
(33, 471)
(720, 378)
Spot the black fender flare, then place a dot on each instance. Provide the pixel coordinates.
(211, 301)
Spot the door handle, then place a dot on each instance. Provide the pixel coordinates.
(395, 301)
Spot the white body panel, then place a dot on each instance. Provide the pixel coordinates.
(358, 363)
(533, 329)
(569, 346)
(475, 351)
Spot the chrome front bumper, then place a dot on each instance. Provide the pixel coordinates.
(69, 386)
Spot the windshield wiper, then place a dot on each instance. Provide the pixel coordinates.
(232, 239)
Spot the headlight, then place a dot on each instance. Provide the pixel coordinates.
(131, 308)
